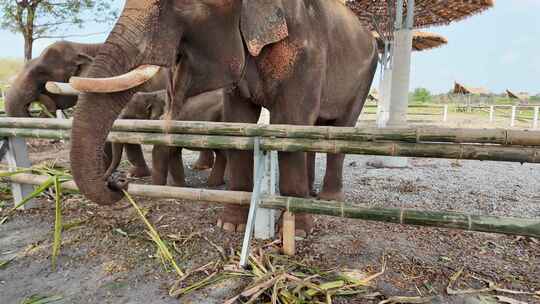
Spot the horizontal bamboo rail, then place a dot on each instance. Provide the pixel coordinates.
(493, 224)
(388, 148)
(410, 135)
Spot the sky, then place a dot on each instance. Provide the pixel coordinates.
(498, 49)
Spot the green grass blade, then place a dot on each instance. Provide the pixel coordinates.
(57, 222)
(155, 236)
(38, 191)
(37, 299)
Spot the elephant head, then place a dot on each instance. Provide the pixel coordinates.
(206, 39)
(58, 62)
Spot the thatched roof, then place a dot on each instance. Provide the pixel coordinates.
(377, 13)
(521, 95)
(421, 41)
(461, 89)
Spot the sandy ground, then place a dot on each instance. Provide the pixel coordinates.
(108, 258)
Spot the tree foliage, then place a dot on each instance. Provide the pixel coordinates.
(36, 19)
(421, 95)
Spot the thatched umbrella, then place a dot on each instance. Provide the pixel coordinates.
(394, 20)
(422, 41)
(465, 90)
(382, 13)
(522, 96)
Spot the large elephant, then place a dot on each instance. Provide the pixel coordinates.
(310, 62)
(58, 62)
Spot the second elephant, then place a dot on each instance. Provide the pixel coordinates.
(151, 105)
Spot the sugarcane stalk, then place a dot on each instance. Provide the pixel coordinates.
(412, 134)
(443, 219)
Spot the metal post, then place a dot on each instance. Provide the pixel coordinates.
(445, 113)
(266, 218)
(17, 157)
(513, 118)
(401, 65)
(491, 113)
(258, 175)
(535, 118)
(60, 114)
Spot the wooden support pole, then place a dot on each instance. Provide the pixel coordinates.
(289, 230)
(535, 117)
(445, 113)
(491, 113)
(513, 117)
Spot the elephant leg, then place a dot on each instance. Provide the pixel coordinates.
(205, 161)
(311, 172)
(332, 188)
(136, 158)
(160, 164)
(176, 167)
(239, 163)
(217, 174)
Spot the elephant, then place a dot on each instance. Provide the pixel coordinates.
(151, 105)
(58, 62)
(167, 161)
(309, 62)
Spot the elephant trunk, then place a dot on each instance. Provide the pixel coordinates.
(19, 98)
(93, 119)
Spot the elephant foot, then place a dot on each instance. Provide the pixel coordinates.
(233, 218)
(332, 196)
(139, 172)
(303, 224)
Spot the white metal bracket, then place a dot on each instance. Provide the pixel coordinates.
(17, 157)
(260, 222)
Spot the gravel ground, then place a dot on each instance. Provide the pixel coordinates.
(420, 259)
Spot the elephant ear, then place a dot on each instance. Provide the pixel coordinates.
(262, 23)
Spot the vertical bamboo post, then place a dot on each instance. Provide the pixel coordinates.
(445, 113)
(535, 118)
(513, 118)
(491, 113)
(289, 230)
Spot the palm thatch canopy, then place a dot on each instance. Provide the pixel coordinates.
(464, 90)
(379, 13)
(421, 41)
(521, 95)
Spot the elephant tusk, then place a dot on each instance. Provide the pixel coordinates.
(61, 88)
(119, 83)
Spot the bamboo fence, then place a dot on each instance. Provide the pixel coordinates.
(494, 224)
(510, 153)
(507, 137)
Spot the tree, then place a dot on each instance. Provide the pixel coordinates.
(37, 19)
(421, 95)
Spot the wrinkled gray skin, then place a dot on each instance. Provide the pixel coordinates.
(58, 62)
(168, 161)
(151, 105)
(309, 62)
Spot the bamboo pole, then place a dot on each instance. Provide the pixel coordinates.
(387, 148)
(412, 134)
(454, 220)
